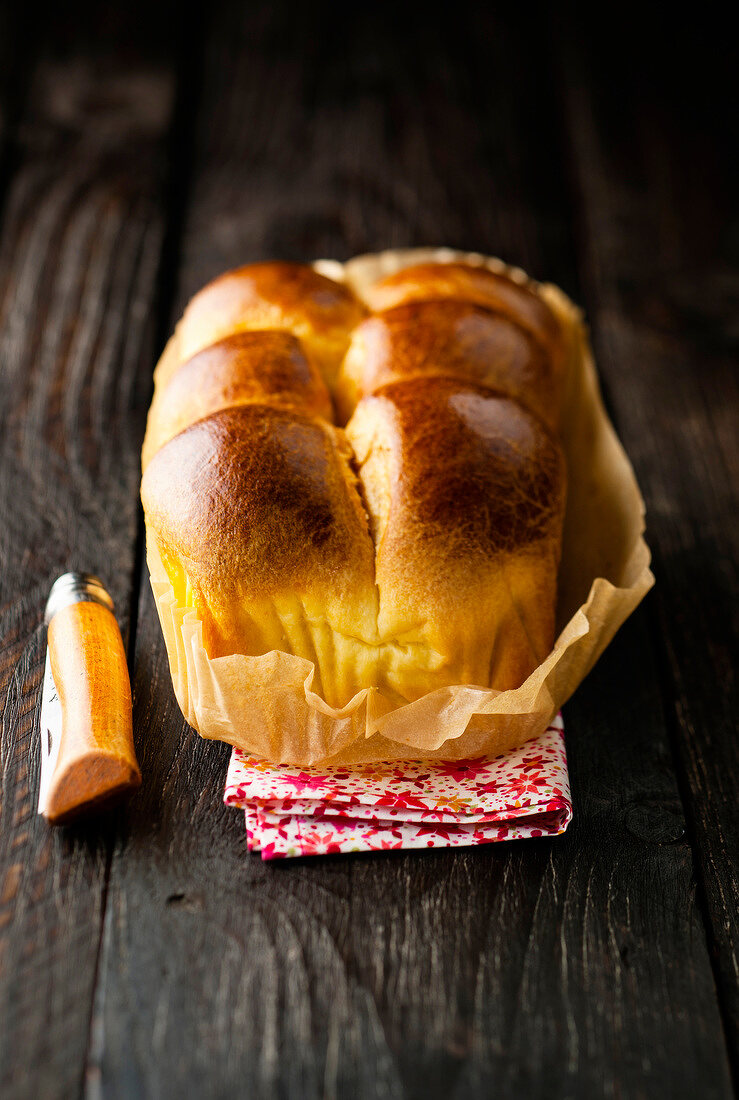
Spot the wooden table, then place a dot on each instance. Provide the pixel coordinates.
(142, 151)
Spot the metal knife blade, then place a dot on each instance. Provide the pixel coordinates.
(51, 733)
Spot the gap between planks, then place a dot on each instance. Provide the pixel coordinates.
(189, 56)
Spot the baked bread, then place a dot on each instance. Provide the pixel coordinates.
(270, 367)
(414, 549)
(455, 339)
(289, 297)
(464, 490)
(468, 283)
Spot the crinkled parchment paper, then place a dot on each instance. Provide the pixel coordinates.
(265, 705)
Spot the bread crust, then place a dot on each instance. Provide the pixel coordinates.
(417, 550)
(477, 285)
(451, 338)
(320, 311)
(243, 368)
(465, 491)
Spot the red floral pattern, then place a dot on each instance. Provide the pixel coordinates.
(301, 812)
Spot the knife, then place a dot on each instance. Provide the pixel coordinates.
(87, 754)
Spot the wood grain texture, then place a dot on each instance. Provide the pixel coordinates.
(572, 967)
(658, 184)
(79, 251)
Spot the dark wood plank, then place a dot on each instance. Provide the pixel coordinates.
(15, 54)
(659, 184)
(552, 968)
(79, 254)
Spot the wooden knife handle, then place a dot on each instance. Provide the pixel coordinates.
(96, 761)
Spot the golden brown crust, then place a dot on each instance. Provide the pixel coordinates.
(472, 474)
(293, 297)
(477, 285)
(451, 338)
(466, 494)
(443, 570)
(246, 367)
(253, 495)
(255, 502)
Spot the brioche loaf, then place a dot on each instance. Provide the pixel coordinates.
(415, 548)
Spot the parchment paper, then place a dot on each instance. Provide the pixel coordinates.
(265, 706)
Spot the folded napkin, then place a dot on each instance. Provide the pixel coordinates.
(311, 811)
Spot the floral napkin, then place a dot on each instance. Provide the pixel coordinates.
(312, 811)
